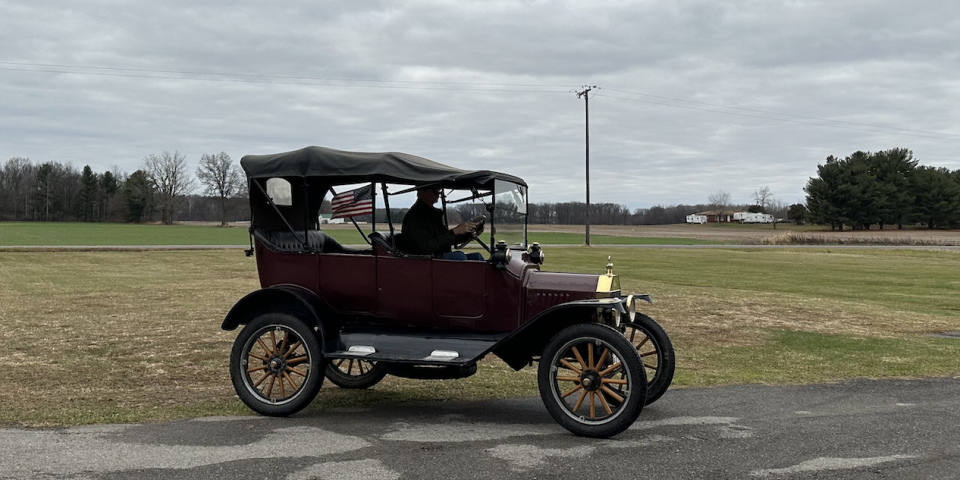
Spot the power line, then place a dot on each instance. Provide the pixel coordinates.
(778, 113)
(462, 86)
(932, 135)
(253, 76)
(305, 84)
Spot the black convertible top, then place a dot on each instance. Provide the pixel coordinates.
(342, 167)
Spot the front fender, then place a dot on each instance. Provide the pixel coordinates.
(290, 299)
(530, 339)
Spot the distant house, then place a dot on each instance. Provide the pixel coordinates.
(747, 217)
(695, 218)
(328, 218)
(713, 217)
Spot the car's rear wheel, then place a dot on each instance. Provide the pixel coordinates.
(274, 363)
(578, 371)
(656, 352)
(355, 373)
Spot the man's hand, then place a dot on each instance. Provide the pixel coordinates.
(465, 227)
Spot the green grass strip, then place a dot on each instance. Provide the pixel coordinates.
(116, 234)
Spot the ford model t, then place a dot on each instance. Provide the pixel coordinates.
(354, 315)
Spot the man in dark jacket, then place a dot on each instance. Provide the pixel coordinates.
(425, 233)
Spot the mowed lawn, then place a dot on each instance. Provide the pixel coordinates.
(91, 337)
(112, 234)
(796, 316)
(84, 234)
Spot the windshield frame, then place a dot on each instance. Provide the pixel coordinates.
(511, 191)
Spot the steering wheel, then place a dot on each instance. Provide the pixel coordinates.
(481, 221)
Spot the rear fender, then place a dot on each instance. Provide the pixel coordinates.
(520, 347)
(290, 299)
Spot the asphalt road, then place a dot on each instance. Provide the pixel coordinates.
(861, 429)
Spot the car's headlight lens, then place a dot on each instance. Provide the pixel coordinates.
(631, 308)
(615, 314)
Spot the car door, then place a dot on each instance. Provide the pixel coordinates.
(459, 289)
(405, 291)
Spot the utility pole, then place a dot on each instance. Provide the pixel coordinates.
(586, 104)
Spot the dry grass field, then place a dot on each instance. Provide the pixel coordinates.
(93, 337)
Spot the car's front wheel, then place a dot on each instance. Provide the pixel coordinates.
(592, 380)
(274, 365)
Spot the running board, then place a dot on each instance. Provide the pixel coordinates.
(419, 347)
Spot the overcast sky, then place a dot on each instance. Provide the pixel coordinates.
(694, 97)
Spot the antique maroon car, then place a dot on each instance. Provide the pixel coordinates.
(355, 315)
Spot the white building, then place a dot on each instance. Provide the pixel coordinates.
(696, 218)
(747, 217)
(326, 218)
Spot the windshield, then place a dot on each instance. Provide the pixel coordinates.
(510, 213)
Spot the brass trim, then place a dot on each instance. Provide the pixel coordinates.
(608, 285)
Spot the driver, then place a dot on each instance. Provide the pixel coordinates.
(425, 232)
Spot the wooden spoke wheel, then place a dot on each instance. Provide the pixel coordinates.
(592, 380)
(656, 352)
(273, 365)
(355, 373)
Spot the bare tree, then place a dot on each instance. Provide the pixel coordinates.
(763, 197)
(221, 178)
(720, 203)
(18, 187)
(778, 209)
(171, 182)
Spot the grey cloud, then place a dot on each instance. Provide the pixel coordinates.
(889, 63)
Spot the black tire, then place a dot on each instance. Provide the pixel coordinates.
(568, 366)
(355, 373)
(263, 350)
(656, 352)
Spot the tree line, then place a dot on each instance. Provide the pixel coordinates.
(861, 190)
(883, 188)
(163, 189)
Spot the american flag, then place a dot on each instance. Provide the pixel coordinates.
(353, 203)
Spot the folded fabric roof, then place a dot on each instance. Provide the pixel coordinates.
(342, 167)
